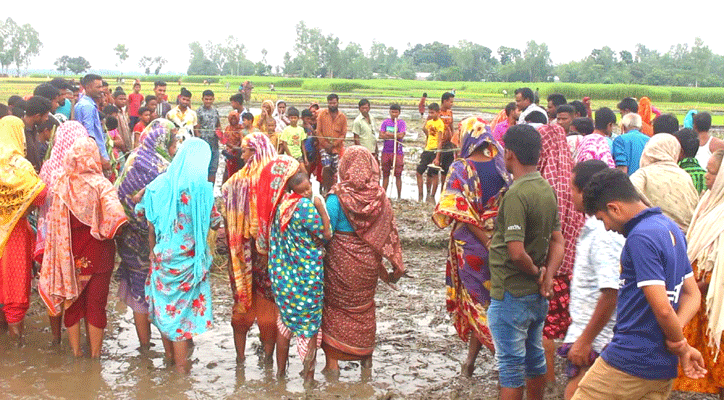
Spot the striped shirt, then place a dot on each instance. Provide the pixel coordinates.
(692, 167)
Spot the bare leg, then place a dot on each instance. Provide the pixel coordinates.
(573, 384)
(332, 365)
(550, 349)
(511, 393)
(434, 187)
(399, 186)
(327, 179)
(167, 348)
(240, 342)
(143, 329)
(535, 387)
(420, 194)
(282, 354)
(16, 332)
(95, 336)
(180, 356)
(56, 327)
(269, 352)
(442, 183)
(3, 322)
(366, 364)
(310, 360)
(74, 339)
(473, 350)
(385, 181)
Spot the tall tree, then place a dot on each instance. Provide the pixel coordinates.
(122, 53)
(159, 62)
(61, 64)
(78, 65)
(22, 43)
(146, 62)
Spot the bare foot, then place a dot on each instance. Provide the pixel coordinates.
(467, 370)
(331, 374)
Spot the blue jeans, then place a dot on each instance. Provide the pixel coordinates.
(516, 324)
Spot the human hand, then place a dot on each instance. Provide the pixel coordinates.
(545, 283)
(692, 363)
(579, 354)
(436, 162)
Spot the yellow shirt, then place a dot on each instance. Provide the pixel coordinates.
(434, 130)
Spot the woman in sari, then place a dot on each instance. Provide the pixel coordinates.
(250, 285)
(646, 112)
(155, 124)
(84, 216)
(52, 168)
(232, 139)
(21, 188)
(144, 164)
(365, 232)
(179, 208)
(706, 252)
(469, 202)
(662, 183)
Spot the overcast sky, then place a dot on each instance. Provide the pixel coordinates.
(154, 28)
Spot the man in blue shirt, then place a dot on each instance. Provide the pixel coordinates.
(657, 296)
(628, 147)
(86, 112)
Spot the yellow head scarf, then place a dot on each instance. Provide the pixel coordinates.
(19, 183)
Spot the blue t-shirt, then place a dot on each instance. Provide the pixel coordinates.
(627, 149)
(337, 220)
(654, 254)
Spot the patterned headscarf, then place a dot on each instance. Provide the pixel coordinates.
(82, 190)
(240, 203)
(19, 183)
(645, 111)
(660, 148)
(155, 124)
(232, 133)
(366, 205)
(272, 184)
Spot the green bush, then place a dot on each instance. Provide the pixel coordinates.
(346, 86)
(289, 83)
(199, 79)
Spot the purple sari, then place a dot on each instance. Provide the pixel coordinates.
(147, 162)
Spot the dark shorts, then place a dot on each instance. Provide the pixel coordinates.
(330, 160)
(387, 160)
(426, 159)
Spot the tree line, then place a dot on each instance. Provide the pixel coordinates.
(18, 45)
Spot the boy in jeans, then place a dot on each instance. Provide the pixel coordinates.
(657, 296)
(433, 129)
(207, 125)
(525, 253)
(393, 131)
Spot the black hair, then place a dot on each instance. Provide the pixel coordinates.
(307, 113)
(237, 97)
(363, 102)
(579, 107)
(118, 92)
(524, 141)
(14, 99)
(447, 96)
(606, 186)
(19, 109)
(136, 84)
(110, 109)
(60, 83)
(666, 123)
(395, 106)
(689, 141)
(565, 108)
(150, 97)
(49, 124)
(510, 107)
(315, 105)
(604, 116)
(185, 92)
(158, 83)
(702, 121)
(207, 92)
(629, 103)
(3, 110)
(583, 125)
(585, 170)
(37, 105)
(536, 117)
(433, 107)
(297, 179)
(424, 94)
(247, 115)
(111, 123)
(143, 110)
(332, 96)
(104, 83)
(46, 90)
(90, 78)
(526, 93)
(292, 112)
(557, 99)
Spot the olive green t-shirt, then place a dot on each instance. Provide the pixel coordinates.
(528, 214)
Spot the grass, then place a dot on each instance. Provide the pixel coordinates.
(482, 96)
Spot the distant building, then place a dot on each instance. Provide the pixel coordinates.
(422, 76)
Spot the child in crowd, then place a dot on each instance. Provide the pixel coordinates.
(292, 138)
(689, 141)
(525, 254)
(595, 276)
(421, 105)
(310, 144)
(134, 103)
(393, 130)
(112, 129)
(144, 115)
(247, 122)
(511, 116)
(433, 128)
(233, 134)
(296, 268)
(152, 104)
(208, 122)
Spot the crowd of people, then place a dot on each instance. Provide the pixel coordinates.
(567, 239)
